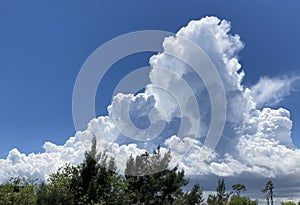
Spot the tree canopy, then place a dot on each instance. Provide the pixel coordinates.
(147, 180)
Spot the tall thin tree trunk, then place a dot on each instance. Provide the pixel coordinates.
(271, 197)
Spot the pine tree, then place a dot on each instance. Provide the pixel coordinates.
(195, 196)
(238, 188)
(212, 199)
(222, 196)
(151, 182)
(268, 189)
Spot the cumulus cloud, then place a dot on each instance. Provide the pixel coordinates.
(39, 165)
(271, 91)
(267, 143)
(253, 132)
(258, 139)
(212, 35)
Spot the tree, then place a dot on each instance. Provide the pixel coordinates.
(88, 172)
(195, 196)
(18, 191)
(287, 203)
(151, 182)
(94, 181)
(268, 189)
(238, 188)
(98, 180)
(148, 180)
(238, 200)
(222, 196)
(61, 188)
(212, 199)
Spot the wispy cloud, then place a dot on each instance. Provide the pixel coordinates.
(271, 91)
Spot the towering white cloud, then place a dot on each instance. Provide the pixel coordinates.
(259, 138)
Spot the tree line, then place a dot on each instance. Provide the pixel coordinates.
(96, 182)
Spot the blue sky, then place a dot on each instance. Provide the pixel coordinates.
(44, 45)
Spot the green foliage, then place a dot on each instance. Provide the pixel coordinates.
(238, 200)
(147, 180)
(162, 187)
(222, 196)
(90, 183)
(287, 203)
(195, 196)
(59, 189)
(18, 191)
(268, 189)
(238, 188)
